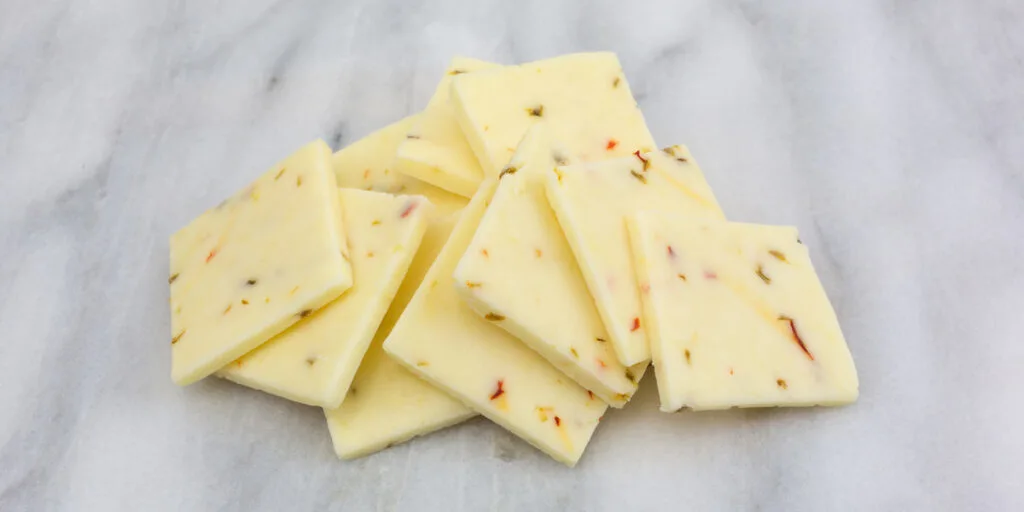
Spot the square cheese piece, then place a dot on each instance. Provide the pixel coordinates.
(248, 269)
(435, 150)
(387, 404)
(583, 98)
(313, 362)
(443, 341)
(519, 265)
(737, 316)
(368, 164)
(592, 201)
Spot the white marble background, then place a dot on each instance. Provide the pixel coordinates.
(891, 132)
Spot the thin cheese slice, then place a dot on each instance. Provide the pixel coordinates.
(443, 341)
(591, 202)
(386, 404)
(737, 317)
(248, 269)
(368, 164)
(313, 362)
(435, 150)
(519, 265)
(391, 405)
(583, 98)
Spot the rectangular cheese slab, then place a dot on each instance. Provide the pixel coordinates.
(368, 164)
(387, 404)
(583, 98)
(440, 339)
(592, 201)
(314, 361)
(737, 316)
(246, 270)
(391, 405)
(520, 267)
(435, 150)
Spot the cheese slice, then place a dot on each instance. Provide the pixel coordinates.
(519, 265)
(368, 164)
(391, 405)
(248, 269)
(313, 362)
(583, 98)
(737, 316)
(591, 202)
(387, 404)
(435, 150)
(440, 339)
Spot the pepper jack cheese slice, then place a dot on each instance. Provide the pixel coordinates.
(386, 404)
(443, 341)
(367, 164)
(737, 317)
(435, 150)
(313, 362)
(519, 265)
(583, 98)
(245, 271)
(591, 202)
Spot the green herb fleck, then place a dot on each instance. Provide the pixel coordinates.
(778, 255)
(173, 278)
(641, 177)
(494, 317)
(760, 273)
(537, 111)
(630, 376)
(305, 312)
(507, 170)
(178, 337)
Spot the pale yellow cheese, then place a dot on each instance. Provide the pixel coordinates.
(368, 164)
(391, 405)
(583, 98)
(737, 316)
(443, 341)
(313, 362)
(248, 269)
(520, 267)
(435, 150)
(386, 404)
(591, 202)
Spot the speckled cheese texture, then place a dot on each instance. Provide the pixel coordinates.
(435, 150)
(387, 404)
(440, 339)
(314, 361)
(591, 202)
(368, 164)
(737, 316)
(519, 265)
(583, 98)
(246, 270)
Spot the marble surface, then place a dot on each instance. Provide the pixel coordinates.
(890, 132)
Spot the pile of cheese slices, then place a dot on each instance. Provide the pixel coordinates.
(520, 249)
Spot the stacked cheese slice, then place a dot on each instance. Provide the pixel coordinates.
(517, 250)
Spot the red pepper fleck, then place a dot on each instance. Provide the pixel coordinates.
(591, 393)
(500, 391)
(227, 309)
(558, 421)
(408, 209)
(671, 251)
(682, 276)
(600, 362)
(730, 371)
(710, 275)
(538, 252)
(647, 163)
(796, 336)
(636, 324)
(611, 144)
(213, 252)
(645, 288)
(485, 253)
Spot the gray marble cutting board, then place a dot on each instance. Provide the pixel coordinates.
(890, 132)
